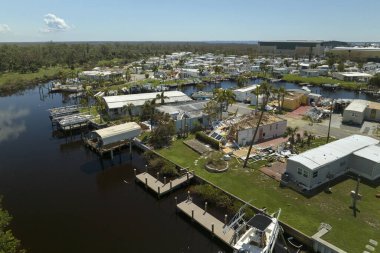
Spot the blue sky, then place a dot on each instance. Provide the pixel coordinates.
(190, 20)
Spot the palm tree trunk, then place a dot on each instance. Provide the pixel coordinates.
(254, 137)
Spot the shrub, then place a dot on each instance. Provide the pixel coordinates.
(169, 169)
(207, 139)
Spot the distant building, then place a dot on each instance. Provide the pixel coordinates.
(115, 104)
(360, 110)
(357, 53)
(94, 75)
(245, 94)
(352, 76)
(294, 48)
(310, 72)
(356, 153)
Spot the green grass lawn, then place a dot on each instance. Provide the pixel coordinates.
(291, 78)
(305, 214)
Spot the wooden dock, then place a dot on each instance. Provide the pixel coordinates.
(206, 220)
(162, 188)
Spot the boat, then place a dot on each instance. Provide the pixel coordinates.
(260, 236)
(306, 89)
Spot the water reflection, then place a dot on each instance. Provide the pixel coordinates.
(10, 125)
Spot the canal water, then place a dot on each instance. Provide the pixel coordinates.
(64, 199)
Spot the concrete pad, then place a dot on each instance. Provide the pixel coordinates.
(373, 242)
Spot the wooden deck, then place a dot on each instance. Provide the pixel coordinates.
(159, 187)
(206, 220)
(108, 148)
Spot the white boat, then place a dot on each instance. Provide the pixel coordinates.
(306, 89)
(260, 236)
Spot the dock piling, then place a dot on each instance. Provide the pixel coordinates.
(192, 214)
(134, 170)
(206, 207)
(158, 191)
(171, 184)
(212, 229)
(146, 182)
(158, 174)
(188, 195)
(225, 220)
(164, 180)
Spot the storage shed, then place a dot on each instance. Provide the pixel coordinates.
(355, 112)
(116, 134)
(317, 166)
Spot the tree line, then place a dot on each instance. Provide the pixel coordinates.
(29, 57)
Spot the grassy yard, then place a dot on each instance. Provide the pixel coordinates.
(10, 82)
(322, 80)
(305, 214)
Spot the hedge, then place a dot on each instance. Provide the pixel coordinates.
(201, 136)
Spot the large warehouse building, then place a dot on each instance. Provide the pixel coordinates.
(357, 53)
(358, 154)
(294, 48)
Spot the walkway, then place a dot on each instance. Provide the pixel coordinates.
(206, 220)
(162, 188)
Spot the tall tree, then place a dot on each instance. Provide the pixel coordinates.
(265, 90)
(241, 81)
(8, 243)
(282, 93)
(224, 97)
(161, 97)
(129, 108)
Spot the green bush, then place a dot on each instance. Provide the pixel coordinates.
(207, 139)
(169, 169)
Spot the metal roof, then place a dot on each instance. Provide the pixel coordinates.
(245, 89)
(371, 153)
(117, 130)
(192, 109)
(139, 99)
(332, 151)
(358, 105)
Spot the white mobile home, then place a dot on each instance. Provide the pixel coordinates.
(115, 103)
(317, 166)
(245, 94)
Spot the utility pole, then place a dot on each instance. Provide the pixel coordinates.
(331, 112)
(355, 196)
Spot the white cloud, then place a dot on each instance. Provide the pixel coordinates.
(10, 125)
(54, 24)
(4, 28)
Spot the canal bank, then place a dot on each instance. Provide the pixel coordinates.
(65, 199)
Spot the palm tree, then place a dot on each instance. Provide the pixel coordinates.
(224, 97)
(257, 92)
(201, 69)
(291, 132)
(211, 109)
(129, 108)
(282, 93)
(241, 81)
(128, 75)
(161, 97)
(266, 90)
